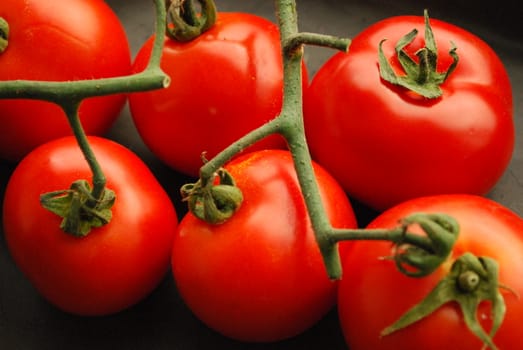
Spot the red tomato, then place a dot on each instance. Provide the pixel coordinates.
(115, 265)
(59, 40)
(386, 144)
(373, 294)
(225, 83)
(260, 275)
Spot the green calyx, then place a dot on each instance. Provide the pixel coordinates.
(4, 34)
(418, 260)
(470, 281)
(187, 23)
(215, 201)
(79, 209)
(420, 76)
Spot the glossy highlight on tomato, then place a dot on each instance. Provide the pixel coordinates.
(59, 40)
(260, 277)
(224, 83)
(386, 144)
(373, 294)
(114, 266)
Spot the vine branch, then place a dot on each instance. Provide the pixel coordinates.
(81, 207)
(63, 92)
(415, 254)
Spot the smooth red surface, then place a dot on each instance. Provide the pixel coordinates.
(385, 144)
(224, 84)
(260, 275)
(59, 40)
(373, 293)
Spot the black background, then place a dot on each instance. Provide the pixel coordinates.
(162, 321)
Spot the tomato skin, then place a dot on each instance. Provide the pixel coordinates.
(386, 145)
(62, 40)
(114, 266)
(223, 84)
(373, 293)
(260, 276)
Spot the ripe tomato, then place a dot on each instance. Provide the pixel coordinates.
(386, 144)
(224, 83)
(114, 266)
(373, 294)
(260, 275)
(58, 40)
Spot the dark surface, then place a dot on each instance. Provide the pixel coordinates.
(162, 321)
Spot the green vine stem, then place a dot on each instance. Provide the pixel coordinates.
(61, 93)
(215, 198)
(416, 255)
(99, 180)
(80, 207)
(292, 128)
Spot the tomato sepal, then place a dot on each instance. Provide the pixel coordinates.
(79, 210)
(470, 281)
(422, 257)
(420, 77)
(187, 24)
(213, 201)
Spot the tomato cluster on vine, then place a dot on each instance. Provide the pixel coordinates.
(411, 124)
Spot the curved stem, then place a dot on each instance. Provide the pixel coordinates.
(290, 125)
(210, 167)
(99, 180)
(415, 255)
(156, 53)
(187, 24)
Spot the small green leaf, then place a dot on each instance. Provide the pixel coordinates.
(430, 41)
(214, 203)
(57, 202)
(420, 76)
(441, 232)
(80, 212)
(467, 292)
(407, 63)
